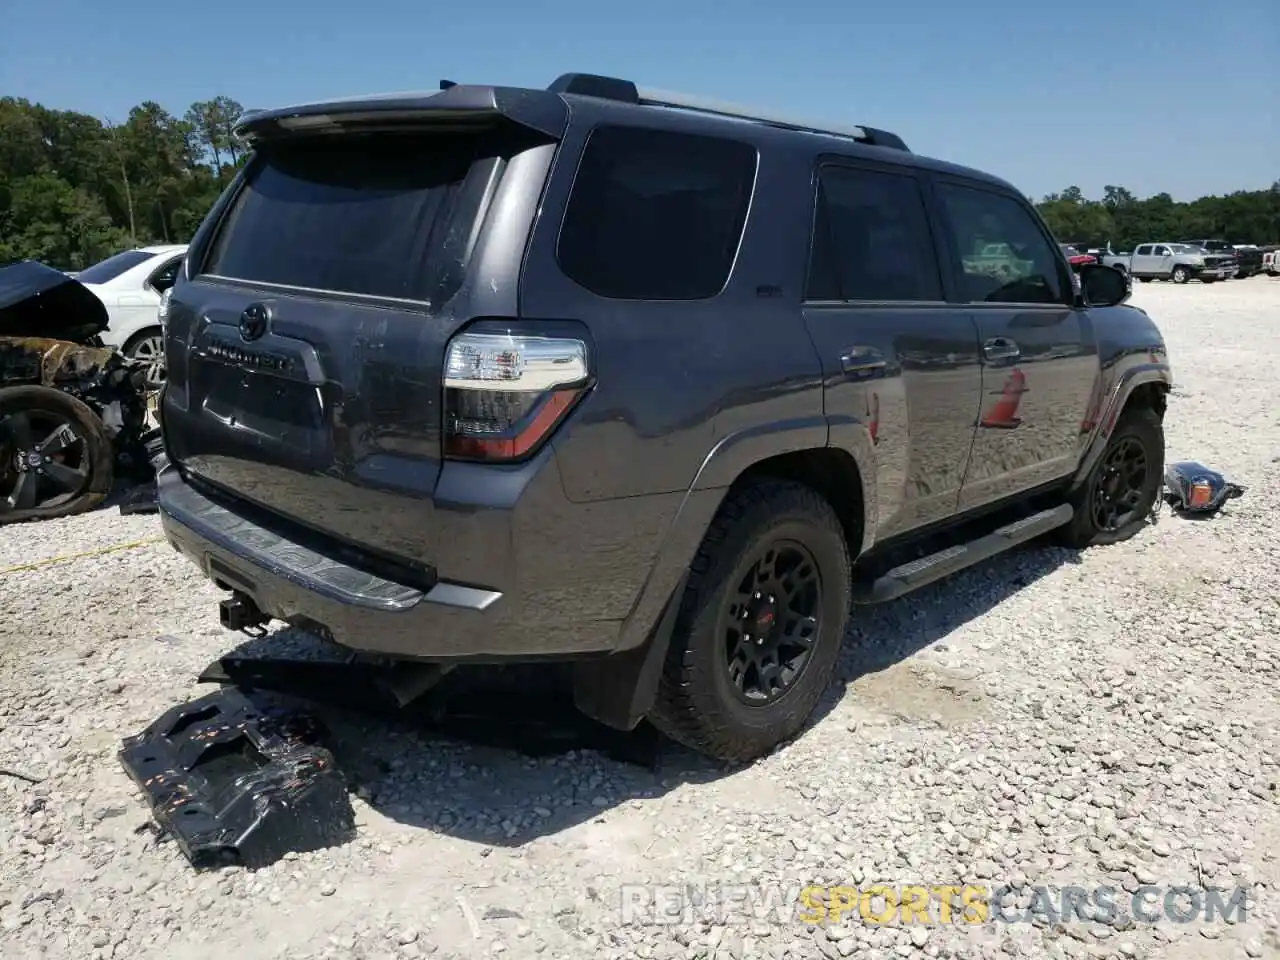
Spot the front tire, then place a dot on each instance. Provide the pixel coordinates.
(760, 625)
(56, 459)
(1180, 275)
(1116, 498)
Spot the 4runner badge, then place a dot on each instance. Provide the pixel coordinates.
(253, 322)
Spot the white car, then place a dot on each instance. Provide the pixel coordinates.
(130, 284)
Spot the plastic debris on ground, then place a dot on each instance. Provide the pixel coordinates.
(140, 499)
(236, 782)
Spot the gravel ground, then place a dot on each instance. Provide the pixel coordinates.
(1047, 720)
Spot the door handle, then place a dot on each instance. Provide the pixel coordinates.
(861, 360)
(1001, 348)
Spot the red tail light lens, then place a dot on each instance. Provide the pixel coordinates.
(505, 394)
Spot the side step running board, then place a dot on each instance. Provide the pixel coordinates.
(903, 579)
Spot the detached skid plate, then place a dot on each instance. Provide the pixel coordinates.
(238, 783)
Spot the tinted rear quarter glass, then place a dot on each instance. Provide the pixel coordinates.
(107, 270)
(656, 214)
(375, 215)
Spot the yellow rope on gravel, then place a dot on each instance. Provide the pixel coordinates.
(115, 547)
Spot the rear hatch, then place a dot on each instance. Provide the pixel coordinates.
(305, 353)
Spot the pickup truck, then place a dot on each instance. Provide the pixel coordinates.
(1247, 261)
(1178, 262)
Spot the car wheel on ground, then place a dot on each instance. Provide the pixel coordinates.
(1116, 498)
(147, 346)
(55, 457)
(760, 625)
(1180, 275)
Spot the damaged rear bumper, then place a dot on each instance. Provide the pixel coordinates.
(290, 582)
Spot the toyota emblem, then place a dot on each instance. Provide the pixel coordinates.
(253, 322)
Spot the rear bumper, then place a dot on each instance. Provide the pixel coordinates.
(448, 622)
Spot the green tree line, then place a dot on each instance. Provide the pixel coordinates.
(1124, 221)
(76, 188)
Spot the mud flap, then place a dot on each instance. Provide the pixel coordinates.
(619, 690)
(237, 782)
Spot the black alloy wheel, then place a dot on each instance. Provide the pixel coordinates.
(55, 457)
(45, 463)
(771, 621)
(1120, 486)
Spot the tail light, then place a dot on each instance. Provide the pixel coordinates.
(504, 394)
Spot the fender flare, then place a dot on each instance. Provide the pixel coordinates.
(618, 689)
(1129, 381)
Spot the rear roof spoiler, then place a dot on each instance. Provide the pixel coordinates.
(462, 104)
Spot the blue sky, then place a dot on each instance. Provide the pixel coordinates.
(1176, 96)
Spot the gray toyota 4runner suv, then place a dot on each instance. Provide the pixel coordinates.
(661, 387)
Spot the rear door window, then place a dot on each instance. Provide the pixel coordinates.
(373, 215)
(872, 239)
(656, 214)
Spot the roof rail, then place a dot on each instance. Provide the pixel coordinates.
(612, 88)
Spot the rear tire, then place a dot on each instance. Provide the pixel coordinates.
(704, 699)
(1137, 426)
(78, 465)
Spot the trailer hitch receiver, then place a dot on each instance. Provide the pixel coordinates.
(239, 612)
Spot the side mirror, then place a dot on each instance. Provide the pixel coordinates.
(1103, 286)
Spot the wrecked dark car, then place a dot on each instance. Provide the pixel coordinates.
(73, 412)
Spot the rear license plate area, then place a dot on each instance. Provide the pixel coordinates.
(258, 401)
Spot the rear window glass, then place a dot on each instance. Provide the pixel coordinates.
(365, 215)
(656, 215)
(107, 270)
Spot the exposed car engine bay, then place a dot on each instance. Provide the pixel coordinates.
(73, 412)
